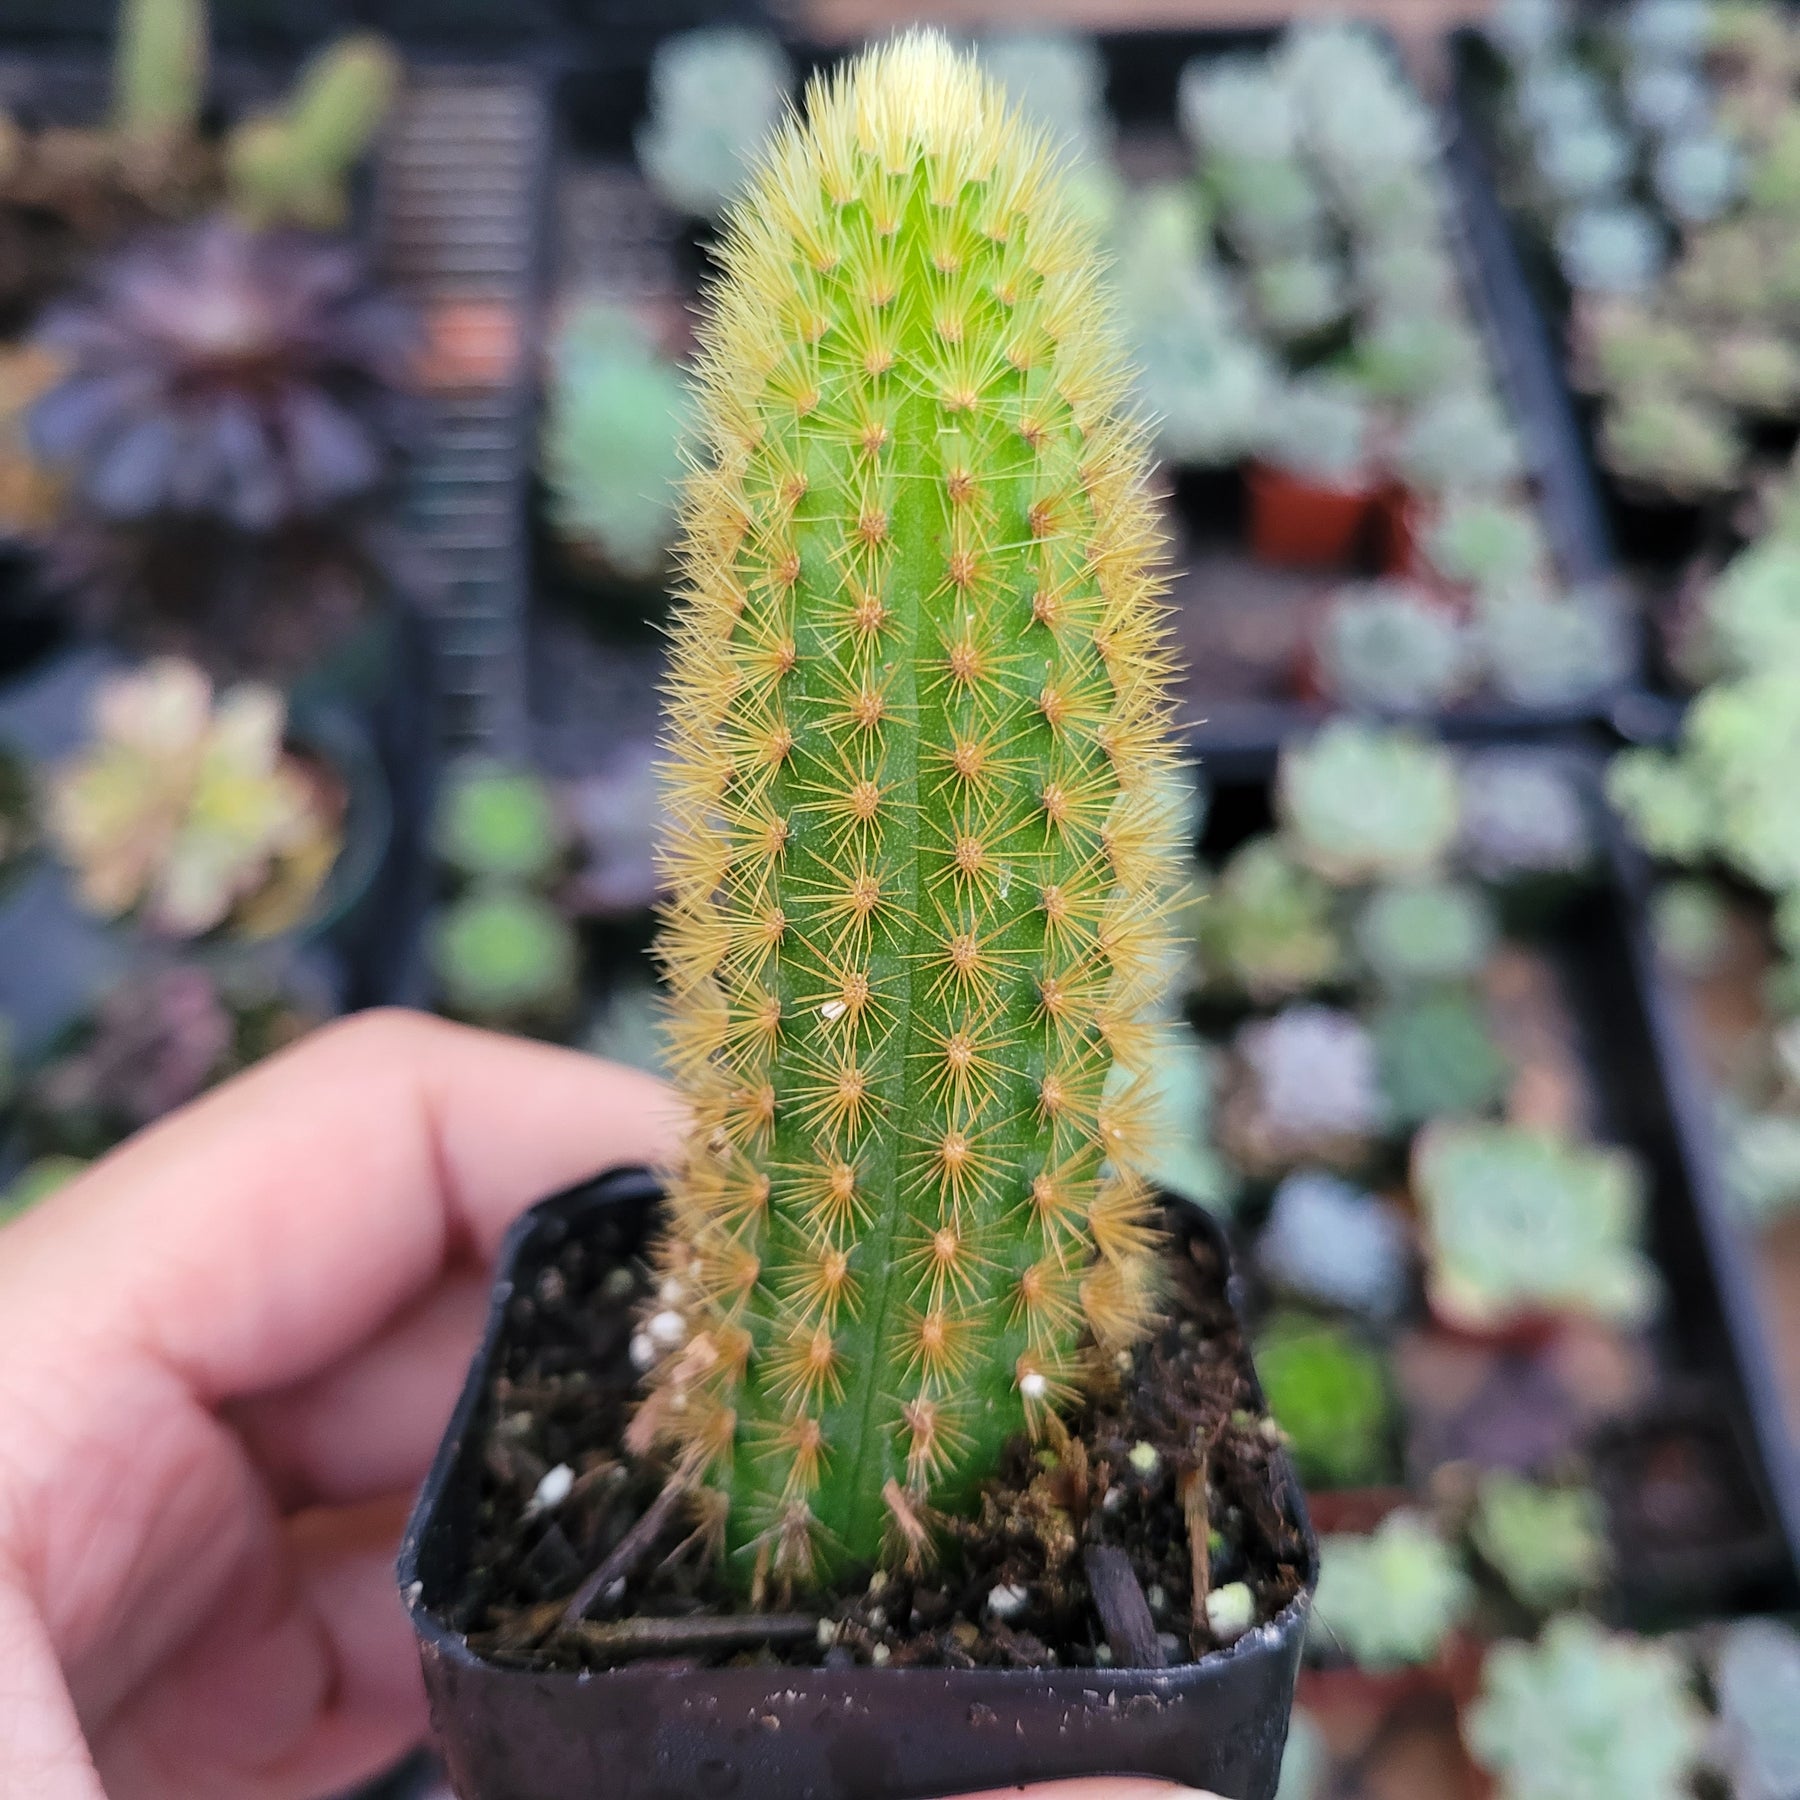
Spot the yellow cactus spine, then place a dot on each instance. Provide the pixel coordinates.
(920, 838)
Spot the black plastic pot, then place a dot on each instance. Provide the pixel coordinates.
(656, 1733)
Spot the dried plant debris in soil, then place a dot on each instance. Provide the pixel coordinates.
(1010, 1588)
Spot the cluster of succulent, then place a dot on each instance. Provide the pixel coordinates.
(1585, 1711)
(502, 951)
(1547, 1542)
(1390, 1600)
(65, 190)
(716, 95)
(1366, 885)
(157, 1039)
(1331, 1243)
(615, 409)
(1320, 299)
(1727, 792)
(1684, 317)
(191, 814)
(231, 403)
(1755, 1676)
(1329, 1393)
(1520, 1225)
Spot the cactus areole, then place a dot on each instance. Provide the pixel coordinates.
(920, 838)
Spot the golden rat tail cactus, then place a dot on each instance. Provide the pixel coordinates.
(920, 830)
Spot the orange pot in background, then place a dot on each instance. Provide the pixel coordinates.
(1301, 524)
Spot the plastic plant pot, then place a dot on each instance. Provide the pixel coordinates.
(1454, 1674)
(1301, 524)
(656, 1732)
(1356, 1510)
(1400, 520)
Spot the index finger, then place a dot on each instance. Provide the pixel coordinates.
(253, 1238)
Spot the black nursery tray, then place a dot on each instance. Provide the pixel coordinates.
(1714, 1407)
(1651, 545)
(612, 238)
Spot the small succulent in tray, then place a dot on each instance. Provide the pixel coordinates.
(230, 397)
(1543, 648)
(1365, 802)
(504, 956)
(1367, 128)
(1407, 351)
(1057, 79)
(1612, 249)
(1584, 1712)
(293, 166)
(1329, 1392)
(1755, 1671)
(157, 1040)
(1243, 121)
(1760, 1161)
(615, 413)
(1459, 441)
(1520, 1224)
(1438, 1058)
(1583, 161)
(1548, 1544)
(1422, 932)
(1690, 921)
(1486, 543)
(1697, 176)
(1754, 370)
(498, 821)
(1523, 818)
(715, 97)
(1307, 1091)
(1629, 346)
(1663, 99)
(1331, 1243)
(1206, 381)
(1527, 32)
(1266, 927)
(1664, 799)
(1391, 646)
(1319, 428)
(190, 814)
(1408, 277)
(1729, 790)
(1749, 617)
(1389, 1600)
(1299, 295)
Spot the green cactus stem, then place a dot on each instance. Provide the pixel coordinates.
(294, 166)
(921, 832)
(159, 71)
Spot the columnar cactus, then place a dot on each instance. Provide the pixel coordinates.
(920, 830)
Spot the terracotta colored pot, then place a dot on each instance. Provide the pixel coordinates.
(1301, 524)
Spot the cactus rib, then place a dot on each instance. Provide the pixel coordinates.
(921, 829)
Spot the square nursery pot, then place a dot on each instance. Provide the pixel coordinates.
(1300, 524)
(657, 1731)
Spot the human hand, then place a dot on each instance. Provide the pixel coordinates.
(226, 1355)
